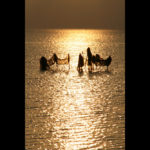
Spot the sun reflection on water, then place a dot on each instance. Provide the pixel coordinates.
(75, 120)
(75, 42)
(69, 110)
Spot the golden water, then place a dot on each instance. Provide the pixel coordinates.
(67, 110)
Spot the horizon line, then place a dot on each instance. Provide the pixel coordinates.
(78, 28)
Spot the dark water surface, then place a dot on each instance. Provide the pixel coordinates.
(67, 110)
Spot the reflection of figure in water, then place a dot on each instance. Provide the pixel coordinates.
(80, 63)
(43, 63)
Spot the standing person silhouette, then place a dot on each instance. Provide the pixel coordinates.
(89, 54)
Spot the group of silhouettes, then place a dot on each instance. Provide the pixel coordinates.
(45, 64)
(91, 60)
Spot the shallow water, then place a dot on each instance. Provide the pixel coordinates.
(68, 110)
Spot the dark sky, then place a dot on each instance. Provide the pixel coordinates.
(105, 14)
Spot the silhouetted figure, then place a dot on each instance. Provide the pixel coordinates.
(55, 58)
(97, 57)
(105, 62)
(51, 61)
(108, 61)
(69, 60)
(89, 54)
(43, 63)
(94, 59)
(80, 62)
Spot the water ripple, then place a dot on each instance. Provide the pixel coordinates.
(68, 110)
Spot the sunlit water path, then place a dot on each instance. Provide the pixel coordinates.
(67, 110)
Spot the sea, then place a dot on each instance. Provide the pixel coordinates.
(70, 110)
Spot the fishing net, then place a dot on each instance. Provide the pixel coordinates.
(62, 61)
